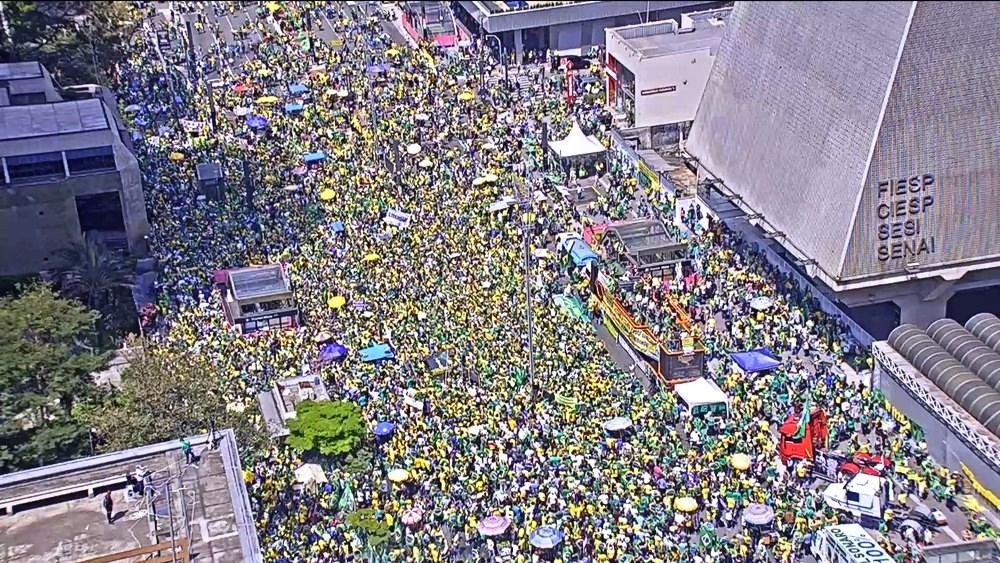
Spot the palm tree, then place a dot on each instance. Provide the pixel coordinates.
(91, 272)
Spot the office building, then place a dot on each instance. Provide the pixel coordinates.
(657, 72)
(67, 168)
(866, 148)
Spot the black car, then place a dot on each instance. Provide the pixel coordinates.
(929, 517)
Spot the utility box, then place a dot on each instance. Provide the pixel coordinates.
(210, 181)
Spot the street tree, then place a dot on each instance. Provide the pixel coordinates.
(331, 428)
(46, 364)
(165, 394)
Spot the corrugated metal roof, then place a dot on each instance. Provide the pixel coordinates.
(60, 118)
(942, 368)
(986, 327)
(966, 348)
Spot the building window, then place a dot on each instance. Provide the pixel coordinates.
(27, 99)
(35, 167)
(84, 161)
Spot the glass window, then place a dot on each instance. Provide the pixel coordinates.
(98, 159)
(35, 167)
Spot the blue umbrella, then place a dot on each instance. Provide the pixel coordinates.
(337, 226)
(333, 351)
(546, 537)
(297, 89)
(257, 122)
(311, 157)
(383, 429)
(377, 69)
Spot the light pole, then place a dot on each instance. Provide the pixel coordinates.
(500, 52)
(525, 233)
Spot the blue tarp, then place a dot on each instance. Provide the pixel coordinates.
(311, 157)
(337, 226)
(297, 89)
(753, 361)
(579, 250)
(377, 353)
(293, 108)
(377, 69)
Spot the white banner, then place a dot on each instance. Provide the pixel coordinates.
(398, 218)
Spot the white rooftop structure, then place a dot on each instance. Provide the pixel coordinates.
(60, 118)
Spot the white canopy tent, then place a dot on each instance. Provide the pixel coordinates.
(577, 143)
(702, 395)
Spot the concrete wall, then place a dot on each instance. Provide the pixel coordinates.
(39, 219)
(944, 446)
(686, 73)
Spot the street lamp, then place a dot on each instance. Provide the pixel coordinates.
(501, 52)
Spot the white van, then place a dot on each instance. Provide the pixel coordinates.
(863, 495)
(847, 543)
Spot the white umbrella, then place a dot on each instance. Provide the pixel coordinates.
(422, 117)
(617, 424)
(133, 108)
(761, 303)
(241, 111)
(413, 149)
(426, 163)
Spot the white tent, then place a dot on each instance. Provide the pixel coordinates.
(310, 473)
(702, 393)
(577, 143)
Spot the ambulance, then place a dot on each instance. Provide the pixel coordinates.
(847, 543)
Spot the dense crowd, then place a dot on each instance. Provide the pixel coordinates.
(440, 136)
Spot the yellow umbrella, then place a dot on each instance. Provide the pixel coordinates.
(175, 156)
(685, 504)
(740, 462)
(336, 302)
(392, 52)
(327, 194)
(370, 257)
(265, 72)
(267, 100)
(399, 475)
(273, 6)
(466, 96)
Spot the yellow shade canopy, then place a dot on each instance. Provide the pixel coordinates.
(273, 7)
(175, 156)
(685, 504)
(399, 475)
(327, 194)
(491, 177)
(466, 96)
(371, 257)
(392, 52)
(336, 302)
(740, 462)
(267, 100)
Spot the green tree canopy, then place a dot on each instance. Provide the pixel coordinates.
(79, 42)
(331, 428)
(164, 395)
(45, 371)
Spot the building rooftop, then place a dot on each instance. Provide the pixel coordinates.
(697, 31)
(59, 118)
(496, 6)
(20, 71)
(258, 281)
(55, 513)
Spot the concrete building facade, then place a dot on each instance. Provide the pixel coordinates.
(657, 72)
(870, 154)
(564, 28)
(66, 168)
